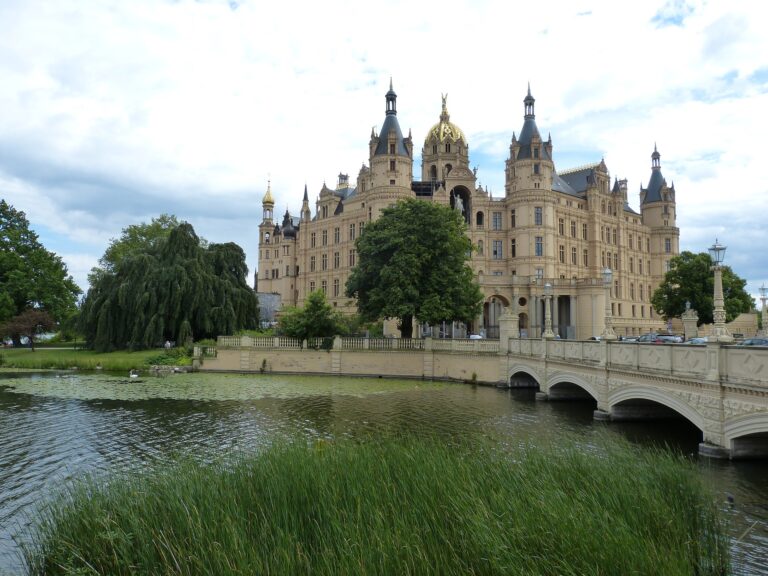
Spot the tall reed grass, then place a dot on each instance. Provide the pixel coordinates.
(393, 506)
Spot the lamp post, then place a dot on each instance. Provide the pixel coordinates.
(763, 298)
(548, 334)
(608, 333)
(719, 331)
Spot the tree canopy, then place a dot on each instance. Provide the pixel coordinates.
(317, 318)
(171, 288)
(31, 277)
(30, 324)
(690, 279)
(412, 264)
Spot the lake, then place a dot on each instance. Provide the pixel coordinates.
(56, 427)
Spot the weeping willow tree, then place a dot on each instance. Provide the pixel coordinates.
(175, 289)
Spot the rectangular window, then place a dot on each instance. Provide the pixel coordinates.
(616, 261)
(392, 165)
(602, 234)
(325, 262)
(312, 286)
(573, 228)
(287, 270)
(325, 237)
(631, 242)
(336, 235)
(336, 259)
(561, 226)
(667, 245)
(312, 239)
(285, 249)
(539, 246)
(538, 215)
(573, 255)
(311, 263)
(616, 289)
(631, 264)
(351, 257)
(640, 265)
(497, 220)
(647, 244)
(614, 236)
(513, 248)
(584, 231)
(562, 253)
(335, 287)
(536, 168)
(586, 257)
(351, 232)
(498, 250)
(324, 286)
(391, 148)
(539, 273)
(513, 221)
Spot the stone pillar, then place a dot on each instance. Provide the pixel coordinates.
(534, 319)
(690, 322)
(509, 327)
(573, 319)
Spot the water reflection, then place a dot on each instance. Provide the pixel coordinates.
(55, 429)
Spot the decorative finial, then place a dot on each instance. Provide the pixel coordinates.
(390, 84)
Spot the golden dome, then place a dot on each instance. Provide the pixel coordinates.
(268, 196)
(445, 129)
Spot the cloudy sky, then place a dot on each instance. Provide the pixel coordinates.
(114, 111)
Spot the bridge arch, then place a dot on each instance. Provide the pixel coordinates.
(568, 386)
(523, 376)
(747, 436)
(654, 395)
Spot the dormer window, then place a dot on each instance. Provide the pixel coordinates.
(392, 148)
(536, 153)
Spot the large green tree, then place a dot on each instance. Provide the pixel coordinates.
(691, 279)
(412, 265)
(31, 277)
(317, 318)
(171, 289)
(134, 239)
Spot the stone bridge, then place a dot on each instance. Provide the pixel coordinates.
(722, 390)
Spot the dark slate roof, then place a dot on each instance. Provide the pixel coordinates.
(526, 135)
(425, 189)
(579, 179)
(655, 184)
(561, 185)
(628, 208)
(339, 208)
(391, 123)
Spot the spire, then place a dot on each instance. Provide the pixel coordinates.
(655, 158)
(529, 101)
(306, 197)
(391, 100)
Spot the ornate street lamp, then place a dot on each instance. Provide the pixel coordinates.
(719, 331)
(548, 334)
(608, 333)
(763, 298)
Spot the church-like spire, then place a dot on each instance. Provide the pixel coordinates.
(391, 99)
(306, 197)
(655, 158)
(529, 102)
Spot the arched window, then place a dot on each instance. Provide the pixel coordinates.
(479, 220)
(433, 173)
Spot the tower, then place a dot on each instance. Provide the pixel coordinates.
(658, 208)
(391, 155)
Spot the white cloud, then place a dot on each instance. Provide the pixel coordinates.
(114, 112)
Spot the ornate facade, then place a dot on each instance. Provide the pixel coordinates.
(556, 228)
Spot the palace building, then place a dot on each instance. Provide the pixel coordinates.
(553, 231)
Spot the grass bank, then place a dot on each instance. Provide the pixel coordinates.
(393, 507)
(42, 359)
